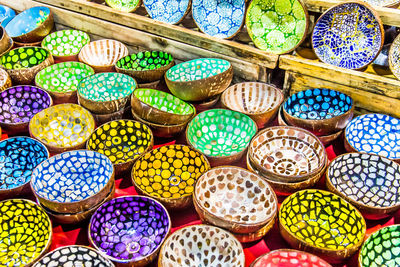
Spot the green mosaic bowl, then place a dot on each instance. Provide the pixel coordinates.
(145, 67)
(65, 45)
(61, 80)
(105, 93)
(220, 134)
(124, 5)
(277, 26)
(160, 107)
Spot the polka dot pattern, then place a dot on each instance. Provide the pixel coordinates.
(148, 60)
(124, 5)
(66, 42)
(168, 11)
(24, 58)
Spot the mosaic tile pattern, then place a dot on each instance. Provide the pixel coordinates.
(24, 57)
(66, 42)
(168, 11)
(149, 60)
(124, 5)
(27, 21)
(289, 258)
(394, 57)
(382, 3)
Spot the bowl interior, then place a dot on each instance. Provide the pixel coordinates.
(129, 228)
(290, 258)
(66, 42)
(103, 52)
(145, 61)
(220, 132)
(124, 5)
(27, 21)
(394, 57)
(24, 57)
(6, 14)
(167, 11)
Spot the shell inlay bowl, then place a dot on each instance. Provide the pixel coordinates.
(6, 14)
(171, 12)
(5, 80)
(383, 3)
(124, 5)
(394, 57)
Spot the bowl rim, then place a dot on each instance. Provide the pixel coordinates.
(163, 67)
(53, 34)
(189, 5)
(136, 117)
(119, 9)
(26, 47)
(390, 55)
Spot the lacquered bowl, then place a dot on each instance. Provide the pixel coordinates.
(321, 111)
(74, 255)
(235, 199)
(259, 101)
(105, 92)
(5, 80)
(102, 55)
(122, 141)
(130, 230)
(24, 225)
(18, 157)
(6, 14)
(322, 223)
(147, 66)
(62, 127)
(334, 43)
(199, 79)
(160, 107)
(65, 45)
(169, 174)
(201, 244)
(220, 134)
(167, 11)
(6, 42)
(23, 63)
(394, 57)
(124, 5)
(31, 25)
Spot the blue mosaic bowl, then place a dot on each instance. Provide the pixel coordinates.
(73, 181)
(167, 11)
(377, 134)
(18, 158)
(321, 111)
(6, 14)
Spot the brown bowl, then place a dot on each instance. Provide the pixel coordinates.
(100, 119)
(257, 235)
(6, 42)
(5, 80)
(17, 44)
(201, 106)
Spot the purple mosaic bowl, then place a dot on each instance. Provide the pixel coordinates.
(19, 104)
(130, 230)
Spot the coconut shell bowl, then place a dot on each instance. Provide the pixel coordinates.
(394, 57)
(130, 230)
(23, 63)
(102, 55)
(169, 174)
(124, 6)
(213, 246)
(259, 101)
(122, 141)
(199, 79)
(167, 11)
(5, 80)
(62, 127)
(6, 43)
(19, 104)
(145, 67)
(6, 14)
(220, 134)
(61, 80)
(26, 232)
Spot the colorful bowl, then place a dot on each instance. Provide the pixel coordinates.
(31, 25)
(259, 101)
(105, 93)
(124, 5)
(335, 43)
(19, 104)
(199, 79)
(145, 67)
(6, 14)
(6, 43)
(102, 55)
(201, 245)
(130, 230)
(65, 45)
(320, 222)
(73, 181)
(26, 232)
(5, 80)
(62, 127)
(169, 174)
(172, 12)
(220, 134)
(277, 26)
(394, 57)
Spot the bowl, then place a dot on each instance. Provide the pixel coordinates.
(160, 107)
(322, 223)
(23, 63)
(220, 134)
(6, 42)
(234, 199)
(124, 5)
(201, 244)
(336, 44)
(5, 80)
(19, 104)
(18, 157)
(381, 63)
(384, 3)
(167, 11)
(147, 66)
(377, 134)
(102, 55)
(394, 57)
(24, 225)
(62, 127)
(74, 255)
(100, 119)
(201, 106)
(169, 174)
(129, 230)
(321, 111)
(122, 141)
(105, 92)
(369, 182)
(259, 101)
(277, 27)
(381, 248)
(199, 79)
(6, 14)
(287, 154)
(61, 80)
(222, 19)
(31, 25)
(73, 181)
(65, 45)
(18, 44)
(257, 235)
